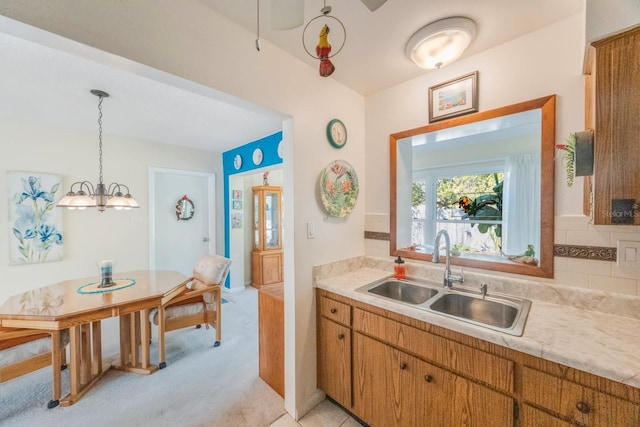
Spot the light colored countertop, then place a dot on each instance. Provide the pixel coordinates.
(599, 343)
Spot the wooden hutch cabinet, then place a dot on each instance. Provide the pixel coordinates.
(266, 256)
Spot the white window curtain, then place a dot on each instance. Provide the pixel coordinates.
(521, 204)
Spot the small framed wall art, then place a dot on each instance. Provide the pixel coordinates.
(454, 98)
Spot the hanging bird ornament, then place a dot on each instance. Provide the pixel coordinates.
(323, 50)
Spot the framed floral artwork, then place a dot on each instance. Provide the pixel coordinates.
(236, 221)
(35, 225)
(454, 98)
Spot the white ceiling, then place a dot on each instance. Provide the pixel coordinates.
(50, 86)
(373, 56)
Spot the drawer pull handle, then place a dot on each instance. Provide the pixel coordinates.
(334, 310)
(403, 366)
(583, 407)
(428, 378)
(340, 336)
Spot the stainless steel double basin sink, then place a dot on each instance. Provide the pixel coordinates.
(498, 312)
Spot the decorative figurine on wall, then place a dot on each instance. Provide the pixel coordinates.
(184, 209)
(265, 178)
(323, 49)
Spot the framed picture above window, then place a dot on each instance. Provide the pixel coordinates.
(454, 97)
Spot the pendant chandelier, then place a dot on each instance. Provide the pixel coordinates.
(86, 195)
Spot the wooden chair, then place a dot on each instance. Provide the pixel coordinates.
(27, 350)
(198, 302)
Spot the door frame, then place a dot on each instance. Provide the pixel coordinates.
(211, 190)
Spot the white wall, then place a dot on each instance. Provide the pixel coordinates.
(605, 17)
(546, 62)
(89, 235)
(188, 40)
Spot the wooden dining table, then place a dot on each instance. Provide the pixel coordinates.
(79, 306)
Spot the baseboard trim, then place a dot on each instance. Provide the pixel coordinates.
(313, 400)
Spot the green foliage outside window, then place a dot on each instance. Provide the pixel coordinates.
(479, 196)
(417, 193)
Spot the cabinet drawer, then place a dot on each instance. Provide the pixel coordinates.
(336, 311)
(477, 364)
(576, 402)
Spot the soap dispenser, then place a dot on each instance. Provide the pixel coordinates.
(399, 271)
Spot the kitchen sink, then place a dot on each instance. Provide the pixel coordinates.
(403, 291)
(493, 311)
(505, 314)
(476, 309)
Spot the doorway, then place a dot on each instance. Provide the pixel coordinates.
(241, 231)
(176, 244)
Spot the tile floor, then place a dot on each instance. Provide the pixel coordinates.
(326, 414)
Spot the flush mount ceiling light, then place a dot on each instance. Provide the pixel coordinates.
(440, 42)
(101, 197)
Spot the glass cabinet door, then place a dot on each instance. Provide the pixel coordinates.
(256, 220)
(272, 220)
(267, 218)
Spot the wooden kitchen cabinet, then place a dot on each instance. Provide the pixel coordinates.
(384, 383)
(394, 370)
(267, 254)
(334, 350)
(393, 388)
(577, 403)
(334, 361)
(614, 110)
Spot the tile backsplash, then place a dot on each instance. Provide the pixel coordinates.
(585, 254)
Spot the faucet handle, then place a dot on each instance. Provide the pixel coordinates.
(483, 289)
(458, 278)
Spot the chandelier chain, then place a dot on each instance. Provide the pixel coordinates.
(100, 135)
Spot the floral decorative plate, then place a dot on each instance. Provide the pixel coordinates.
(339, 188)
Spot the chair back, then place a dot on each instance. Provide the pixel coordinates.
(211, 270)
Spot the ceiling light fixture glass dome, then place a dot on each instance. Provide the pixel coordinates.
(440, 42)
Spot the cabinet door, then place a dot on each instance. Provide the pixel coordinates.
(446, 399)
(272, 220)
(384, 385)
(271, 267)
(576, 402)
(334, 361)
(617, 133)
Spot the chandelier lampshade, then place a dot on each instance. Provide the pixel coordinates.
(100, 196)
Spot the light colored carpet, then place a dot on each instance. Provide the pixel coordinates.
(201, 385)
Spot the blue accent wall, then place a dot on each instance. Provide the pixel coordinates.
(269, 147)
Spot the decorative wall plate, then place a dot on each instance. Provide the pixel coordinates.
(280, 150)
(237, 161)
(257, 156)
(339, 188)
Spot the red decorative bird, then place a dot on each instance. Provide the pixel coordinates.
(323, 49)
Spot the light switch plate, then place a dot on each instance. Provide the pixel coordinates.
(311, 230)
(628, 254)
